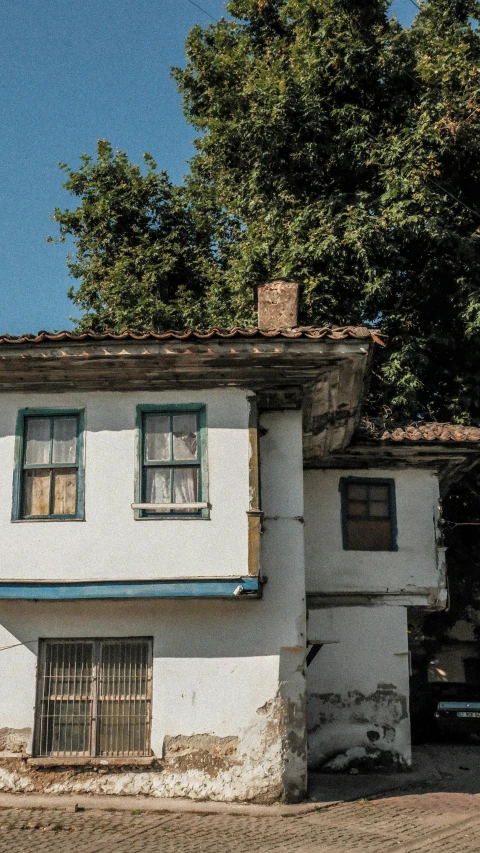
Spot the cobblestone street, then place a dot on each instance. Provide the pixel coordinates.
(445, 823)
(441, 815)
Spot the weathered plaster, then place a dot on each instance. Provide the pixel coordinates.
(358, 689)
(257, 765)
(342, 722)
(14, 741)
(415, 568)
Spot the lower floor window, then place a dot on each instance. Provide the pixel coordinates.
(94, 697)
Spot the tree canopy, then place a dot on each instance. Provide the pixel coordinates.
(334, 148)
(142, 258)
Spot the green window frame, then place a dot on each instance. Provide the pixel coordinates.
(170, 469)
(49, 470)
(369, 515)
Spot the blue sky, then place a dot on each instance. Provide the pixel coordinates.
(71, 74)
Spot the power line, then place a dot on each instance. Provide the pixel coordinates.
(444, 190)
(432, 182)
(203, 10)
(429, 180)
(416, 5)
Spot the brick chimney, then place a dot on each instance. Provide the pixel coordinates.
(277, 305)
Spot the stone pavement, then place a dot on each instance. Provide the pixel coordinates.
(444, 823)
(439, 814)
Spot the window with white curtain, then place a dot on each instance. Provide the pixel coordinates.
(49, 472)
(172, 461)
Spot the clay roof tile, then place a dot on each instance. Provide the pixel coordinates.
(306, 332)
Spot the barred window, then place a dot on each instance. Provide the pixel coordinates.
(368, 514)
(94, 697)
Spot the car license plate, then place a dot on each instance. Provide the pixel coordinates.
(468, 713)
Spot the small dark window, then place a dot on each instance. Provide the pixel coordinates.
(368, 514)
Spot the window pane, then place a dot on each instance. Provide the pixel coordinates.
(64, 484)
(157, 438)
(379, 509)
(123, 709)
(185, 484)
(357, 492)
(379, 493)
(185, 436)
(66, 699)
(157, 485)
(356, 508)
(369, 535)
(37, 441)
(64, 440)
(36, 492)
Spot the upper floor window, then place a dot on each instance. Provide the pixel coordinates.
(172, 449)
(49, 469)
(368, 514)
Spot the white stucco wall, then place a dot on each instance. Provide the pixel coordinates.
(221, 669)
(330, 568)
(358, 688)
(110, 543)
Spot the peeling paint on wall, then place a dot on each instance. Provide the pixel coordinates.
(259, 765)
(13, 741)
(292, 721)
(355, 730)
(205, 752)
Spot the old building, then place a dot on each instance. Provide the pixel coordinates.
(172, 509)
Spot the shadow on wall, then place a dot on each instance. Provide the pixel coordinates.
(440, 769)
(115, 411)
(182, 628)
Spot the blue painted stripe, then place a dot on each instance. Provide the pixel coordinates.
(198, 588)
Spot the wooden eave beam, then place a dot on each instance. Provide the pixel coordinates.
(255, 364)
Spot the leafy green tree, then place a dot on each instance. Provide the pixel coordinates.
(432, 206)
(142, 258)
(347, 152)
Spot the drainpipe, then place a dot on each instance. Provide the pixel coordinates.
(254, 511)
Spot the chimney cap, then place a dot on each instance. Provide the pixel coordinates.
(277, 304)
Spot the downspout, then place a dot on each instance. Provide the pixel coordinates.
(254, 512)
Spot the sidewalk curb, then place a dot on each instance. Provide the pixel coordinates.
(423, 774)
(103, 802)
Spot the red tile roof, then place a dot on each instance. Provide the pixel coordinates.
(334, 333)
(422, 431)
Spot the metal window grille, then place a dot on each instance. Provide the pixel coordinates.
(94, 697)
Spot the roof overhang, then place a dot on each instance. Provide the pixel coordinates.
(324, 371)
(450, 460)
